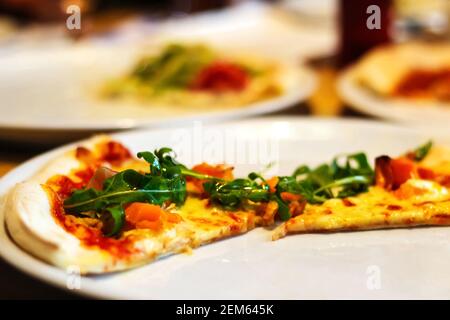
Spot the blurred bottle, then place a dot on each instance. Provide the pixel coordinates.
(43, 10)
(191, 6)
(358, 23)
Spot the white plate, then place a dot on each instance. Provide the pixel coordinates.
(325, 11)
(50, 95)
(432, 115)
(402, 263)
(254, 26)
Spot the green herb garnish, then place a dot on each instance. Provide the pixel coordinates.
(175, 67)
(166, 182)
(421, 152)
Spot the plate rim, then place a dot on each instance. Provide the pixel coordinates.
(354, 95)
(290, 96)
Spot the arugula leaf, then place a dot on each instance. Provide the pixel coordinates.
(421, 152)
(166, 182)
(303, 187)
(174, 67)
(283, 209)
(301, 171)
(113, 220)
(314, 185)
(332, 180)
(232, 194)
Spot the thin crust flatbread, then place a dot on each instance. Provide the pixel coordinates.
(416, 203)
(36, 220)
(31, 218)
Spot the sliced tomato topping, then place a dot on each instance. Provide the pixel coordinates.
(139, 211)
(173, 217)
(219, 171)
(425, 173)
(392, 173)
(403, 169)
(146, 224)
(288, 196)
(149, 216)
(272, 183)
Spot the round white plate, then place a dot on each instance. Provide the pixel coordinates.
(399, 110)
(254, 26)
(402, 263)
(54, 93)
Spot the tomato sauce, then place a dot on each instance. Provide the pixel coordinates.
(348, 203)
(115, 153)
(221, 76)
(425, 84)
(60, 187)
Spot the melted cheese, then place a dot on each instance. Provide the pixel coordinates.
(438, 160)
(201, 223)
(417, 202)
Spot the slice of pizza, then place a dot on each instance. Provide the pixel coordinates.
(411, 190)
(100, 209)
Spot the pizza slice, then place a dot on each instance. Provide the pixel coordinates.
(101, 210)
(411, 190)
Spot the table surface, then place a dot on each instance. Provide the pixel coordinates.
(17, 285)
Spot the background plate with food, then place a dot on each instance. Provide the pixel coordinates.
(56, 95)
(403, 82)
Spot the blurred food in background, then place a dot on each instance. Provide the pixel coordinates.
(197, 75)
(416, 71)
(146, 86)
(244, 46)
(405, 82)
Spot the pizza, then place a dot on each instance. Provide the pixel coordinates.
(415, 71)
(38, 211)
(408, 191)
(102, 209)
(198, 76)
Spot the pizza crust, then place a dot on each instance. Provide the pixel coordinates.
(33, 226)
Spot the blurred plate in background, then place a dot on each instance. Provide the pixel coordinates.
(50, 96)
(433, 115)
(271, 30)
